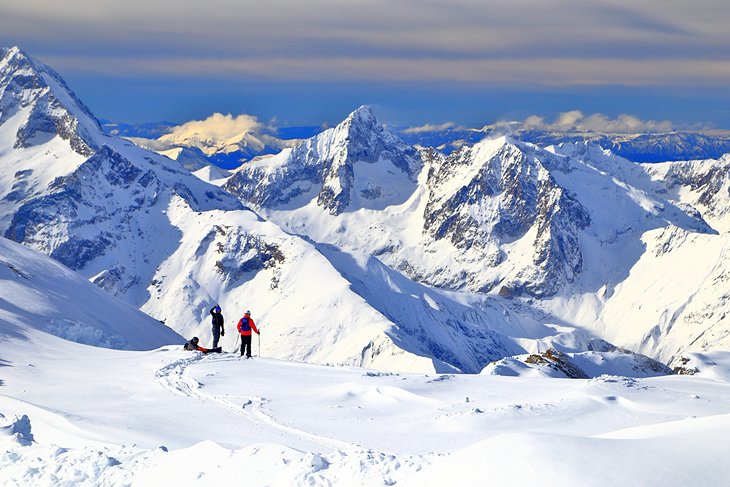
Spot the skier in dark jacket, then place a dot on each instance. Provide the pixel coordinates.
(193, 344)
(218, 329)
(245, 325)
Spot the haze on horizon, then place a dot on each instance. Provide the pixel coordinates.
(417, 62)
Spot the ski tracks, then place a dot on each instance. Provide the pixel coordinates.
(174, 378)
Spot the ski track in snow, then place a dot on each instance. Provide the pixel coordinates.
(173, 377)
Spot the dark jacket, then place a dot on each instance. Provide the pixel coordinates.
(217, 318)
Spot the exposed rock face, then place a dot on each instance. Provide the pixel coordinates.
(481, 198)
(244, 254)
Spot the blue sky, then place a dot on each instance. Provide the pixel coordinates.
(301, 62)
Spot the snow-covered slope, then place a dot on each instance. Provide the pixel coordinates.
(218, 420)
(37, 294)
(656, 290)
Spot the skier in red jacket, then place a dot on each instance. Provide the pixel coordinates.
(245, 325)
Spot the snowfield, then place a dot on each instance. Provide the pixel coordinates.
(80, 415)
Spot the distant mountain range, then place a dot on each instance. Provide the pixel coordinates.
(637, 147)
(356, 247)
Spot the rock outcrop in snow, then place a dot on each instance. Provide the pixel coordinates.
(607, 360)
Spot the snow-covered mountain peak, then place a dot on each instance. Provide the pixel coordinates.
(93, 202)
(8, 54)
(488, 196)
(16, 56)
(357, 164)
(363, 116)
(42, 106)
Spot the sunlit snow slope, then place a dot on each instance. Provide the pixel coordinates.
(39, 294)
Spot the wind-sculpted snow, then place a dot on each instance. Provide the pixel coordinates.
(205, 419)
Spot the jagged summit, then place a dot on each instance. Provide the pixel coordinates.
(9, 52)
(357, 164)
(29, 85)
(14, 54)
(363, 115)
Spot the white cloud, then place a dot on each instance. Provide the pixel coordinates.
(577, 121)
(217, 127)
(429, 127)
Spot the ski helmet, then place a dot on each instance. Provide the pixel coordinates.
(195, 340)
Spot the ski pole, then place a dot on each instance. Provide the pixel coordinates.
(238, 336)
(259, 334)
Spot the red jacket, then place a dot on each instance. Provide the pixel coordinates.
(246, 330)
